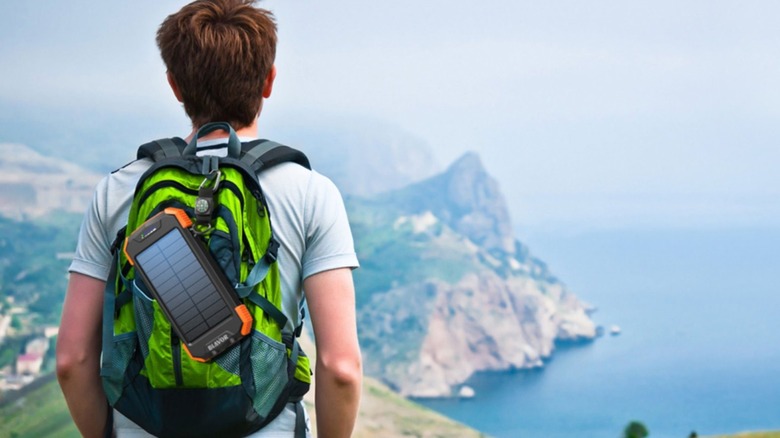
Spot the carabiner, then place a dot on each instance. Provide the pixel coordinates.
(216, 176)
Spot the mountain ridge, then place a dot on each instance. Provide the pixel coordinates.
(445, 290)
(465, 197)
(32, 185)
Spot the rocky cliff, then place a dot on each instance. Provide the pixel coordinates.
(466, 199)
(445, 290)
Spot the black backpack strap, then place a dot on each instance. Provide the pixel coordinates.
(300, 420)
(108, 429)
(264, 154)
(163, 148)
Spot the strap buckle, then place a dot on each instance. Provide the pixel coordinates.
(272, 252)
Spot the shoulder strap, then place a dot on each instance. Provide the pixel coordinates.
(256, 156)
(163, 148)
(264, 154)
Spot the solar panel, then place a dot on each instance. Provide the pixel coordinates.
(183, 285)
(190, 287)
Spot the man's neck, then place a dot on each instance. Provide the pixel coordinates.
(246, 132)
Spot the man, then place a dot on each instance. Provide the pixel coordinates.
(219, 55)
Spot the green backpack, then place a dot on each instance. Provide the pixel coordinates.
(146, 373)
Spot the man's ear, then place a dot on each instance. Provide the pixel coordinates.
(174, 86)
(268, 85)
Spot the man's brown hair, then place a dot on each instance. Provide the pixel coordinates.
(219, 53)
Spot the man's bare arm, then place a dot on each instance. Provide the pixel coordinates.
(78, 354)
(338, 372)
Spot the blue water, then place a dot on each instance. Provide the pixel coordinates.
(699, 349)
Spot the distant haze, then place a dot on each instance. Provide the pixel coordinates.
(589, 114)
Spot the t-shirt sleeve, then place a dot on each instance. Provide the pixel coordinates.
(93, 254)
(329, 243)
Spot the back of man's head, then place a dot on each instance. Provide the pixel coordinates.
(219, 54)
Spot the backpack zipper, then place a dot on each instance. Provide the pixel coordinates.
(176, 359)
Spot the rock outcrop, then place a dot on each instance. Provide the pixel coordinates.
(446, 290)
(466, 199)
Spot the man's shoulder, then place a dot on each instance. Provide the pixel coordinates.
(137, 165)
(127, 175)
(293, 177)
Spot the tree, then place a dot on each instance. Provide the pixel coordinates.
(16, 323)
(635, 429)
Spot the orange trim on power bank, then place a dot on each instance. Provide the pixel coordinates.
(124, 250)
(246, 319)
(197, 359)
(181, 216)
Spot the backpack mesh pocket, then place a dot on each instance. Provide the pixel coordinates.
(230, 359)
(115, 365)
(269, 367)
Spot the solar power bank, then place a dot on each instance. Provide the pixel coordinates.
(190, 287)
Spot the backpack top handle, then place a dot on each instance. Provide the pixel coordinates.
(234, 144)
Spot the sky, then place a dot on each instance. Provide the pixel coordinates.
(590, 115)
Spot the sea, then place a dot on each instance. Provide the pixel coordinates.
(698, 348)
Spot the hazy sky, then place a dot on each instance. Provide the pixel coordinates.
(589, 114)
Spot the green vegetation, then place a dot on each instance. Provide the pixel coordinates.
(40, 411)
(50, 360)
(37, 411)
(33, 277)
(33, 268)
(635, 429)
(10, 348)
(392, 252)
(385, 413)
(750, 435)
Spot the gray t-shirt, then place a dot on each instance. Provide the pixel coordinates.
(307, 215)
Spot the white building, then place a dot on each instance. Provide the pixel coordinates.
(29, 364)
